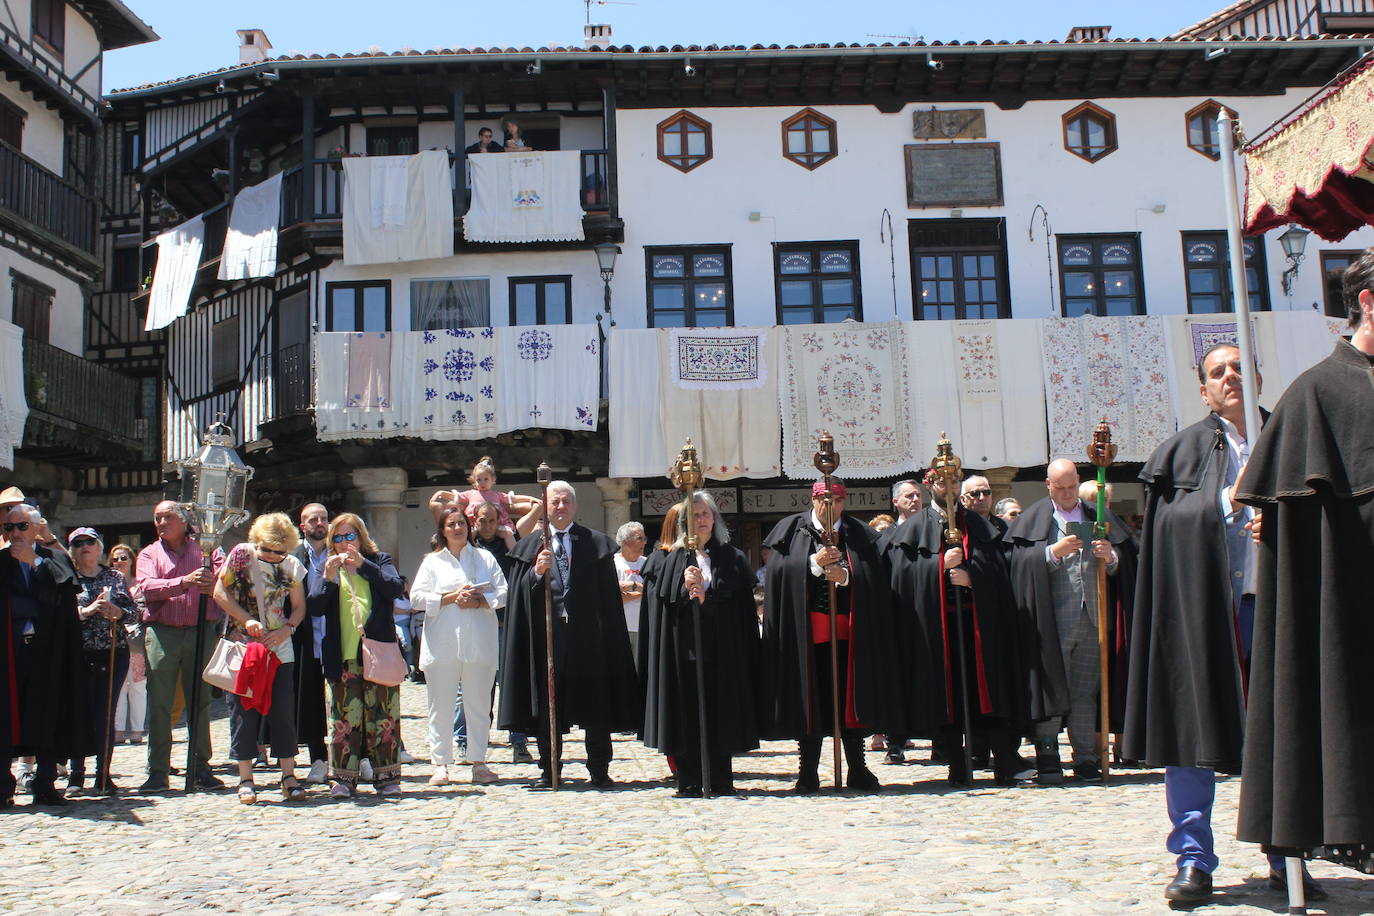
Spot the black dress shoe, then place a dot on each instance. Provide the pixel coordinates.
(207, 780)
(49, 797)
(1088, 772)
(154, 783)
(6, 801)
(1190, 885)
(1312, 892)
(895, 755)
(602, 781)
(688, 792)
(863, 780)
(807, 784)
(545, 781)
(959, 777)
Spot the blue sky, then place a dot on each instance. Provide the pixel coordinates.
(199, 36)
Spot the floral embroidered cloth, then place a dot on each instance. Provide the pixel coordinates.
(1106, 367)
(464, 383)
(525, 197)
(718, 358)
(851, 380)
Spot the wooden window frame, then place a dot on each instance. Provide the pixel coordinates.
(671, 123)
(130, 150)
(55, 40)
(389, 130)
(1257, 263)
(1208, 110)
(958, 251)
(810, 160)
(1109, 130)
(816, 276)
(688, 252)
(1350, 254)
(225, 376)
(44, 297)
(10, 110)
(1099, 294)
(358, 313)
(540, 284)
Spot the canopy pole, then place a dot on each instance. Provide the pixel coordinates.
(1249, 376)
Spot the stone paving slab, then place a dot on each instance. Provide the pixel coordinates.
(919, 847)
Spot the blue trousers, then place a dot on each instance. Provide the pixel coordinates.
(1189, 792)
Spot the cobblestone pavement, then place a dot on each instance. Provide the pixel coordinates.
(916, 848)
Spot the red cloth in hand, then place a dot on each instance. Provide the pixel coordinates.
(254, 681)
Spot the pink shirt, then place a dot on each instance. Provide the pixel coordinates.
(161, 574)
(472, 500)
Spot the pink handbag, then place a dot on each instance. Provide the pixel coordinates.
(383, 663)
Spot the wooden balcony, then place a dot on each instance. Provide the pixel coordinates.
(47, 206)
(80, 413)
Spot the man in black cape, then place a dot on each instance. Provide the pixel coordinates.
(44, 707)
(729, 654)
(795, 682)
(925, 573)
(1194, 608)
(595, 685)
(1054, 580)
(1308, 741)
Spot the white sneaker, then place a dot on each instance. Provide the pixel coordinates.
(365, 771)
(440, 776)
(406, 756)
(482, 774)
(319, 772)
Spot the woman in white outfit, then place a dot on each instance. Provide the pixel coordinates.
(458, 588)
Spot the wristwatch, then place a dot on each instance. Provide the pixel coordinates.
(290, 629)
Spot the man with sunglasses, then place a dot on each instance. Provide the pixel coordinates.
(42, 670)
(172, 578)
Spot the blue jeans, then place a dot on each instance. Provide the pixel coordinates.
(402, 623)
(1189, 792)
(518, 740)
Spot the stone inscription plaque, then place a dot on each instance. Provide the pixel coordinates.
(949, 124)
(954, 175)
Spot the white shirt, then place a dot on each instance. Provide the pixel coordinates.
(453, 633)
(1237, 453)
(629, 572)
(816, 567)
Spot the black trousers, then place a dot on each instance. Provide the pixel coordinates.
(598, 751)
(311, 721)
(823, 703)
(102, 714)
(26, 663)
(245, 725)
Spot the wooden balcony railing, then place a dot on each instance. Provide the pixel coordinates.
(40, 197)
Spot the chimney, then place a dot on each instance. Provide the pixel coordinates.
(253, 46)
(1089, 33)
(596, 35)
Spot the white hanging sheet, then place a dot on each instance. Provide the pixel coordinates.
(178, 259)
(250, 243)
(525, 197)
(379, 227)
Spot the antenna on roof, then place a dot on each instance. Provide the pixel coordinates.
(911, 38)
(588, 5)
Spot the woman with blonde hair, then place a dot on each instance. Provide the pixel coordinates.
(261, 589)
(354, 594)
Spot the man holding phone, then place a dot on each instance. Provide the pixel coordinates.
(1054, 577)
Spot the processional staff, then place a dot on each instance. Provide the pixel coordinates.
(949, 468)
(543, 475)
(686, 476)
(1101, 452)
(827, 460)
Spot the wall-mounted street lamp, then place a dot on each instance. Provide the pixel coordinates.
(1294, 243)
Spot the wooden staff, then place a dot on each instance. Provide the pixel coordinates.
(107, 737)
(1101, 453)
(544, 475)
(826, 461)
(949, 469)
(686, 476)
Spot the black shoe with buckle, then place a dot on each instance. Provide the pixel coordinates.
(207, 780)
(1190, 885)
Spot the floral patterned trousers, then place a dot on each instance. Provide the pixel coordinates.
(364, 722)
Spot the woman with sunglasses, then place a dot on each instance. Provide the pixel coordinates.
(258, 581)
(132, 704)
(106, 608)
(354, 594)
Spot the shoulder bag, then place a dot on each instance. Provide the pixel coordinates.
(383, 663)
(222, 670)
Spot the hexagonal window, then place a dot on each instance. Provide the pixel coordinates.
(808, 138)
(684, 141)
(1090, 132)
(1201, 123)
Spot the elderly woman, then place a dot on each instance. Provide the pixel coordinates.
(354, 594)
(107, 611)
(459, 587)
(714, 584)
(261, 589)
(629, 562)
(132, 704)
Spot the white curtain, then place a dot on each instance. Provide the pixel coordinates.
(436, 305)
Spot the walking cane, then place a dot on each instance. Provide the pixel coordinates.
(1101, 453)
(686, 476)
(826, 461)
(107, 738)
(544, 475)
(948, 468)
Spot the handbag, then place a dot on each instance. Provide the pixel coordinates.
(383, 663)
(222, 670)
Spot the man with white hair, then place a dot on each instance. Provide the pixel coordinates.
(595, 685)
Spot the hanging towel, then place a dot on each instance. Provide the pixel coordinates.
(980, 383)
(636, 427)
(376, 229)
(1107, 367)
(719, 386)
(369, 370)
(178, 259)
(548, 377)
(850, 380)
(250, 245)
(14, 408)
(525, 197)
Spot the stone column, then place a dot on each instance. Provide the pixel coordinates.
(615, 500)
(1000, 479)
(381, 490)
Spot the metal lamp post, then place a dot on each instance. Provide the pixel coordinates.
(605, 259)
(1294, 243)
(214, 488)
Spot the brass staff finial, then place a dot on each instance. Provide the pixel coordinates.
(825, 459)
(950, 469)
(686, 476)
(1102, 452)
(543, 474)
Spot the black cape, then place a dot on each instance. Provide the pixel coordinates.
(595, 682)
(927, 631)
(1030, 582)
(787, 685)
(1309, 740)
(730, 638)
(1185, 700)
(52, 707)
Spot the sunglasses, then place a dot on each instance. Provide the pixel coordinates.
(120, 559)
(979, 494)
(350, 537)
(271, 550)
(84, 542)
(16, 526)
